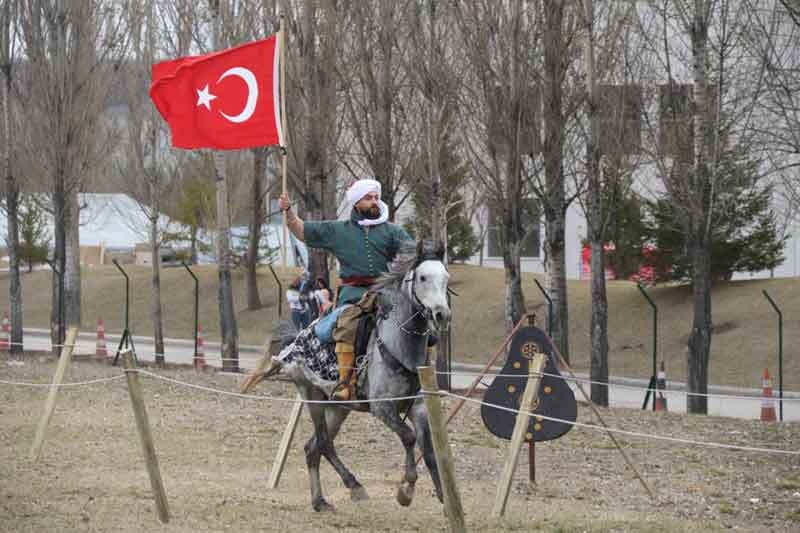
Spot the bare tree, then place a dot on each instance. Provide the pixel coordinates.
(557, 36)
(606, 140)
(229, 347)
(701, 120)
(493, 105)
(8, 14)
(72, 50)
(244, 22)
(149, 173)
(773, 35)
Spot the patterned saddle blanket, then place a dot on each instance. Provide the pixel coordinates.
(317, 358)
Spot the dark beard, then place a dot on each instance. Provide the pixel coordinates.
(372, 213)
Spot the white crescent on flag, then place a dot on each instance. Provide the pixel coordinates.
(252, 93)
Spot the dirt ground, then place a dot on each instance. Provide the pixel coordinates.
(215, 454)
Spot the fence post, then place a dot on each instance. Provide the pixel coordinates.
(780, 352)
(145, 435)
(196, 310)
(526, 406)
(441, 448)
(50, 403)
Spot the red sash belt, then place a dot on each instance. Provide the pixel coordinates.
(359, 281)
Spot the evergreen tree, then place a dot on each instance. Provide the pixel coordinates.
(196, 205)
(461, 240)
(627, 232)
(34, 242)
(744, 236)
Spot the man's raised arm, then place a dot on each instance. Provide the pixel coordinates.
(293, 222)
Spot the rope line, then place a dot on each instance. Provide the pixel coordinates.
(70, 384)
(621, 386)
(424, 392)
(631, 433)
(273, 398)
(48, 345)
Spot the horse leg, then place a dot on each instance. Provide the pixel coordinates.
(419, 417)
(334, 417)
(386, 413)
(313, 449)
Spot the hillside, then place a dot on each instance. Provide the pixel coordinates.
(744, 342)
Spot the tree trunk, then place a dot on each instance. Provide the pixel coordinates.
(700, 338)
(229, 333)
(59, 231)
(12, 194)
(229, 346)
(514, 300)
(155, 251)
(72, 261)
(699, 242)
(599, 327)
(320, 84)
(556, 278)
(256, 221)
(555, 208)
(596, 220)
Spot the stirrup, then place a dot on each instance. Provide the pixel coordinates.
(346, 384)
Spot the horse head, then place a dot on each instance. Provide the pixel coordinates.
(426, 284)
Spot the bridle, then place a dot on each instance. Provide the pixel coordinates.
(419, 308)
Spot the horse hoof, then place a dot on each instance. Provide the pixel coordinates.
(405, 493)
(323, 507)
(358, 493)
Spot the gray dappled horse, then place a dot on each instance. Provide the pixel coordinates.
(412, 303)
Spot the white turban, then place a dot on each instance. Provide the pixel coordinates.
(361, 188)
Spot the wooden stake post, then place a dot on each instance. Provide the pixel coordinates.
(527, 405)
(286, 443)
(146, 437)
(441, 448)
(50, 403)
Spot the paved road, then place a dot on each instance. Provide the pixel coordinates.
(625, 392)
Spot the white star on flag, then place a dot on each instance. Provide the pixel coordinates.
(204, 97)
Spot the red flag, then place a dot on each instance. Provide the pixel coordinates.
(225, 100)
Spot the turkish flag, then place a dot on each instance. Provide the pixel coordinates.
(224, 100)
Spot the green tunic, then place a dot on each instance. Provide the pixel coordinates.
(361, 250)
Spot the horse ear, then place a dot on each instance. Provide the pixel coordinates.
(420, 248)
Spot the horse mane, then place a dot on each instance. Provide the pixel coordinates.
(406, 259)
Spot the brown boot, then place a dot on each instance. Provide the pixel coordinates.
(346, 388)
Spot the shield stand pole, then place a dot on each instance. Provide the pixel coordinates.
(521, 432)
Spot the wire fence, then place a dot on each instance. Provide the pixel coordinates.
(637, 434)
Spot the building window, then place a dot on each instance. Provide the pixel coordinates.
(675, 120)
(620, 117)
(502, 120)
(530, 225)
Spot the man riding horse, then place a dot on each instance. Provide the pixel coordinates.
(364, 245)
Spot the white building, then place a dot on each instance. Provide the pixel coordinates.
(624, 106)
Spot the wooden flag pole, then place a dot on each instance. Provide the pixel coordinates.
(284, 151)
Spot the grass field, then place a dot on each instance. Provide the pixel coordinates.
(744, 341)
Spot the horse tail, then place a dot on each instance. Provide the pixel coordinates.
(283, 334)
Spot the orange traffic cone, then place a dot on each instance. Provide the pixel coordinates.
(767, 403)
(5, 335)
(100, 349)
(661, 386)
(200, 356)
